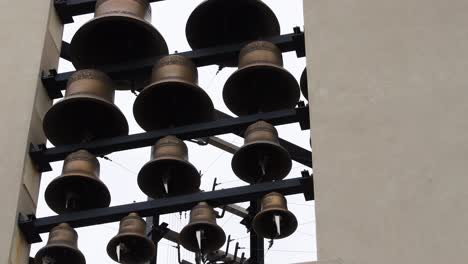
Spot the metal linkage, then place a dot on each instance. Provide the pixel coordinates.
(140, 69)
(42, 156)
(32, 227)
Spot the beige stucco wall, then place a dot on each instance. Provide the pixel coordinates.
(389, 88)
(30, 40)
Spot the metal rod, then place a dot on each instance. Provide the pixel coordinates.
(154, 237)
(257, 250)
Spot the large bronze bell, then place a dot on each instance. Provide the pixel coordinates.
(86, 113)
(173, 98)
(303, 82)
(261, 158)
(79, 186)
(261, 84)
(62, 247)
(130, 245)
(169, 172)
(274, 221)
(219, 22)
(120, 31)
(202, 234)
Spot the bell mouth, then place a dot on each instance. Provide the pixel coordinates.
(92, 193)
(246, 162)
(61, 254)
(76, 119)
(217, 22)
(140, 248)
(113, 39)
(260, 87)
(263, 223)
(172, 103)
(183, 178)
(215, 233)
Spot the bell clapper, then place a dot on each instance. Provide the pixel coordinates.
(277, 220)
(71, 201)
(117, 251)
(166, 180)
(199, 234)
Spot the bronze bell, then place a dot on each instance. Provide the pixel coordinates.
(173, 98)
(261, 158)
(274, 221)
(120, 31)
(86, 113)
(303, 82)
(130, 245)
(202, 234)
(62, 247)
(219, 22)
(79, 187)
(169, 172)
(261, 84)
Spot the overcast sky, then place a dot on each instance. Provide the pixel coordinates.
(169, 17)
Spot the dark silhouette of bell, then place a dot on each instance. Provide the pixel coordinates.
(173, 98)
(219, 22)
(202, 234)
(130, 245)
(261, 158)
(261, 84)
(274, 221)
(62, 247)
(303, 83)
(169, 172)
(79, 187)
(120, 31)
(86, 113)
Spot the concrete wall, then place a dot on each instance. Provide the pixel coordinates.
(31, 37)
(389, 105)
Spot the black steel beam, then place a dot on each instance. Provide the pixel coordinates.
(42, 156)
(32, 227)
(257, 247)
(140, 69)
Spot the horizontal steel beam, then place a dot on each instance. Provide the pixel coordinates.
(32, 227)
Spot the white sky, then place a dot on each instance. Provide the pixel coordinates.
(169, 17)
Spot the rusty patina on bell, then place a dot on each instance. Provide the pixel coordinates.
(169, 172)
(261, 158)
(261, 84)
(274, 221)
(79, 186)
(219, 22)
(173, 98)
(62, 247)
(202, 234)
(120, 31)
(303, 82)
(130, 245)
(86, 113)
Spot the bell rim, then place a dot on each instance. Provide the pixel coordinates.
(190, 229)
(235, 81)
(112, 245)
(156, 35)
(105, 199)
(258, 219)
(303, 84)
(146, 170)
(55, 110)
(138, 105)
(76, 252)
(237, 158)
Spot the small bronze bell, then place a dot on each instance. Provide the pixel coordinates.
(303, 82)
(121, 31)
(130, 245)
(219, 22)
(173, 98)
(202, 234)
(62, 247)
(261, 158)
(274, 221)
(79, 187)
(169, 172)
(86, 113)
(261, 84)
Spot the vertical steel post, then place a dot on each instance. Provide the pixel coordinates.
(257, 249)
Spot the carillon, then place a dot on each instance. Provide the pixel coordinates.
(86, 113)
(120, 31)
